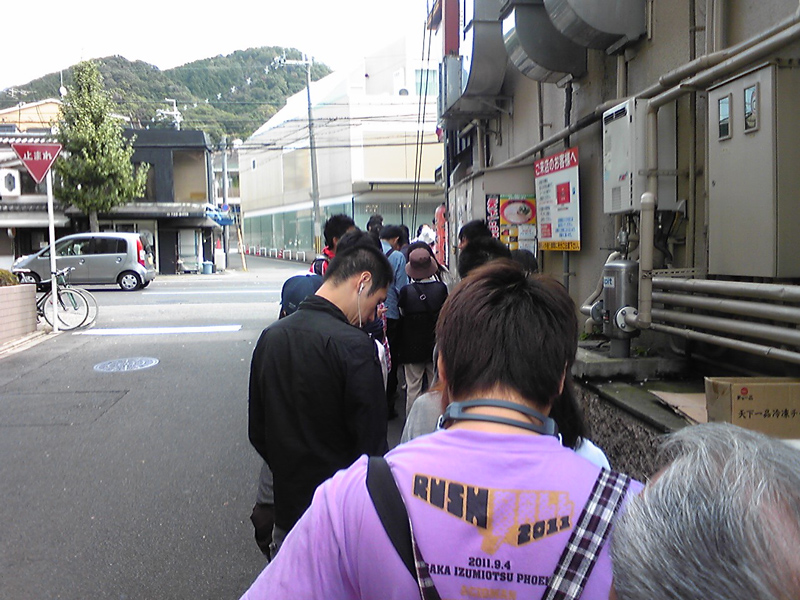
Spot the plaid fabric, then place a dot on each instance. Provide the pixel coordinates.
(427, 590)
(588, 537)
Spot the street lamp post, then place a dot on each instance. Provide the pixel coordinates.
(316, 216)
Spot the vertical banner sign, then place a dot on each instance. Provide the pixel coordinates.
(518, 222)
(493, 214)
(558, 201)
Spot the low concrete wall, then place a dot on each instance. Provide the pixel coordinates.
(17, 311)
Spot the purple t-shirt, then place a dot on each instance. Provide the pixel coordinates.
(491, 512)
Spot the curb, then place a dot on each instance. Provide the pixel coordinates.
(24, 342)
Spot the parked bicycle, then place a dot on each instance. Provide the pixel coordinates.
(74, 308)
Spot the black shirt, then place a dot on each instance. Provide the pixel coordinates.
(317, 402)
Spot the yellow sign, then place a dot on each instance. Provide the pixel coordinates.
(563, 246)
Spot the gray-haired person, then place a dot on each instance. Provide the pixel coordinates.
(720, 522)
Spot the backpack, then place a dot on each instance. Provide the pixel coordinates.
(319, 265)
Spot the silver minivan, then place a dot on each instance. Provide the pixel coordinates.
(110, 257)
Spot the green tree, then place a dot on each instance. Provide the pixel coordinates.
(95, 169)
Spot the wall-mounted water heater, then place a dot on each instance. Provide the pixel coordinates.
(624, 166)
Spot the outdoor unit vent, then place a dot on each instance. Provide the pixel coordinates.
(624, 168)
(471, 81)
(449, 83)
(481, 46)
(536, 47)
(601, 24)
(9, 183)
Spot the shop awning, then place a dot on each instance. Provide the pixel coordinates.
(31, 219)
(152, 210)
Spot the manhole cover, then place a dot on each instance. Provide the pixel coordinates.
(126, 364)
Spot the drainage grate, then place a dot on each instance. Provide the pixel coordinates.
(126, 364)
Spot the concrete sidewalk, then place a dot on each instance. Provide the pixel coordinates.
(43, 332)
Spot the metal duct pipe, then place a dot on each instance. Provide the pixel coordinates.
(750, 348)
(744, 328)
(741, 289)
(757, 310)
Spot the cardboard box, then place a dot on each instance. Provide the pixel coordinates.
(770, 405)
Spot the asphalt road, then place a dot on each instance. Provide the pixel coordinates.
(137, 484)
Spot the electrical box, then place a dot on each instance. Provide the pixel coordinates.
(9, 183)
(624, 162)
(753, 174)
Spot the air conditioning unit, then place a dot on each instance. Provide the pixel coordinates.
(9, 183)
(624, 168)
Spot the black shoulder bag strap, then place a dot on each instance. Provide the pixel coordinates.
(391, 510)
(423, 297)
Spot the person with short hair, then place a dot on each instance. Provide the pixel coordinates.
(526, 258)
(316, 386)
(720, 522)
(472, 231)
(335, 227)
(479, 252)
(495, 505)
(374, 226)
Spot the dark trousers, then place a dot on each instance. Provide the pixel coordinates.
(392, 333)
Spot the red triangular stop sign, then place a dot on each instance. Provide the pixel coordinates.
(37, 158)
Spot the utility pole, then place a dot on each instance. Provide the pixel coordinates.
(280, 61)
(225, 194)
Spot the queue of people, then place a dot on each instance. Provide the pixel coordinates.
(496, 490)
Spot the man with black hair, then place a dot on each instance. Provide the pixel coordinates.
(472, 231)
(316, 384)
(479, 252)
(335, 228)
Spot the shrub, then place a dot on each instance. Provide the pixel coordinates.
(7, 278)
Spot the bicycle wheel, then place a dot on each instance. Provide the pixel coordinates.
(93, 309)
(72, 309)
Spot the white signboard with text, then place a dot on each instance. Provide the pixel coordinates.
(558, 201)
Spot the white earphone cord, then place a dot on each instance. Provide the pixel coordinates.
(358, 305)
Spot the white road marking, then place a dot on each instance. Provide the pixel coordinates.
(161, 330)
(207, 292)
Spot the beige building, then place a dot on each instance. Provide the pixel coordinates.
(30, 117)
(377, 150)
(693, 101)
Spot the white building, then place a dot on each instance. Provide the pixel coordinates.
(377, 151)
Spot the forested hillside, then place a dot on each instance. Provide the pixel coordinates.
(226, 95)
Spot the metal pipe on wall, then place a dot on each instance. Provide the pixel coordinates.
(741, 289)
(647, 218)
(772, 333)
(559, 136)
(757, 310)
(749, 347)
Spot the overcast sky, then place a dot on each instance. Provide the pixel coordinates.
(45, 36)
